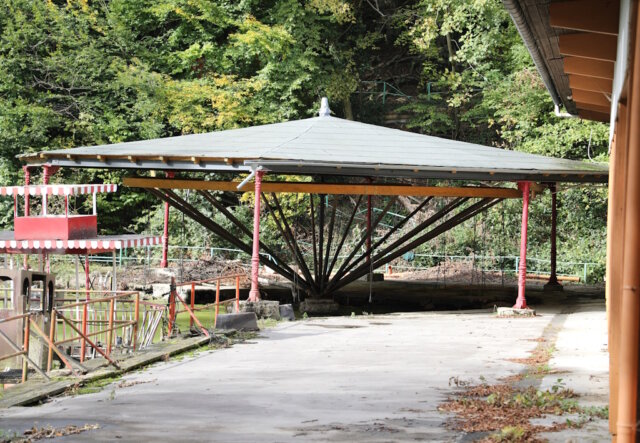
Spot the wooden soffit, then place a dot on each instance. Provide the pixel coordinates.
(588, 68)
(592, 107)
(594, 115)
(594, 98)
(595, 16)
(593, 84)
(589, 45)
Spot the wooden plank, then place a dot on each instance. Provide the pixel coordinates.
(592, 107)
(594, 98)
(326, 188)
(593, 115)
(592, 84)
(588, 45)
(588, 68)
(597, 16)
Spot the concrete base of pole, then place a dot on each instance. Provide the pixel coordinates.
(515, 312)
(319, 306)
(254, 296)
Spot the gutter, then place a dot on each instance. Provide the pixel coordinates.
(513, 7)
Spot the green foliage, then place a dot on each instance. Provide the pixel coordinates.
(77, 73)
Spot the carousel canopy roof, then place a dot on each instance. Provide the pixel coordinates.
(327, 145)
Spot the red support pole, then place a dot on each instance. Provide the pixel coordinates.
(254, 293)
(237, 294)
(521, 302)
(27, 181)
(192, 301)
(165, 237)
(215, 319)
(47, 172)
(87, 285)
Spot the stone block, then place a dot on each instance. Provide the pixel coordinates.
(286, 313)
(262, 308)
(319, 306)
(242, 321)
(513, 312)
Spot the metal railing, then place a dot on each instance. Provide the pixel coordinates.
(86, 329)
(191, 309)
(507, 264)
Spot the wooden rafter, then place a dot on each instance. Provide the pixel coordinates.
(594, 115)
(327, 188)
(588, 68)
(593, 98)
(594, 108)
(598, 16)
(592, 84)
(588, 45)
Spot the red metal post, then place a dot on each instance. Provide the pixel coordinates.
(110, 326)
(83, 342)
(165, 237)
(215, 319)
(52, 339)
(237, 294)
(254, 293)
(27, 181)
(25, 349)
(192, 301)
(47, 172)
(87, 285)
(521, 302)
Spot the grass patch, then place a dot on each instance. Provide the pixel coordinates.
(266, 323)
(92, 387)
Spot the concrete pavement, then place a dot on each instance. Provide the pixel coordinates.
(373, 378)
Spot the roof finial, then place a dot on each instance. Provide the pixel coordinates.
(324, 108)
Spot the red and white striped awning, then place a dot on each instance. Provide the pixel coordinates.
(57, 189)
(106, 243)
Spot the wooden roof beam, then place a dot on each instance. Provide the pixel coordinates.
(592, 107)
(594, 98)
(592, 84)
(327, 188)
(593, 115)
(588, 45)
(588, 68)
(597, 16)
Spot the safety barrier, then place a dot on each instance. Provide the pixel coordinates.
(192, 309)
(85, 328)
(117, 311)
(29, 326)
